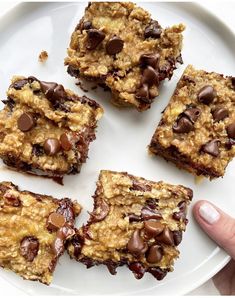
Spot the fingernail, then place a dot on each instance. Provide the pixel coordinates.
(209, 213)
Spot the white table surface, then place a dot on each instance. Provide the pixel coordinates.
(225, 11)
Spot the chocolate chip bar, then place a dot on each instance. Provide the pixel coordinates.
(45, 129)
(135, 222)
(118, 45)
(34, 230)
(197, 129)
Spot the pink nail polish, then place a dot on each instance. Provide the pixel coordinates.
(209, 213)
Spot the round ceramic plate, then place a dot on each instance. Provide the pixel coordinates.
(122, 138)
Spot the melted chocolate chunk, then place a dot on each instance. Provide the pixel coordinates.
(66, 209)
(11, 200)
(138, 269)
(18, 85)
(140, 186)
(29, 248)
(157, 272)
(114, 45)
(148, 213)
(25, 122)
(231, 130)
(136, 244)
(211, 147)
(37, 150)
(219, 114)
(101, 211)
(86, 25)
(206, 94)
(94, 38)
(10, 103)
(153, 30)
(134, 218)
(233, 82)
(77, 242)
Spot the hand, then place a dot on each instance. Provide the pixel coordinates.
(221, 228)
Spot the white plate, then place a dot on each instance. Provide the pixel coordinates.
(122, 138)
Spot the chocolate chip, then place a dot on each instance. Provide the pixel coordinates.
(58, 94)
(231, 130)
(154, 254)
(52, 91)
(143, 94)
(10, 103)
(183, 125)
(153, 30)
(25, 122)
(153, 228)
(138, 269)
(229, 144)
(177, 235)
(192, 114)
(48, 88)
(86, 25)
(31, 79)
(94, 38)
(219, 114)
(29, 248)
(11, 200)
(150, 76)
(233, 82)
(101, 211)
(140, 186)
(157, 272)
(65, 142)
(149, 60)
(179, 215)
(152, 203)
(66, 209)
(182, 205)
(133, 217)
(77, 241)
(51, 146)
(136, 244)
(165, 237)
(211, 147)
(114, 45)
(37, 150)
(148, 213)
(18, 85)
(206, 94)
(55, 221)
(62, 234)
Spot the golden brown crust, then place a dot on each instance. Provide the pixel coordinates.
(122, 205)
(122, 72)
(26, 244)
(187, 149)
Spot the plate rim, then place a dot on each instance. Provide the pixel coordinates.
(221, 253)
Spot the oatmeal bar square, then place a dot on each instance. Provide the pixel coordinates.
(34, 230)
(197, 129)
(45, 129)
(119, 45)
(135, 222)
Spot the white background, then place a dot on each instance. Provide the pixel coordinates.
(224, 10)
